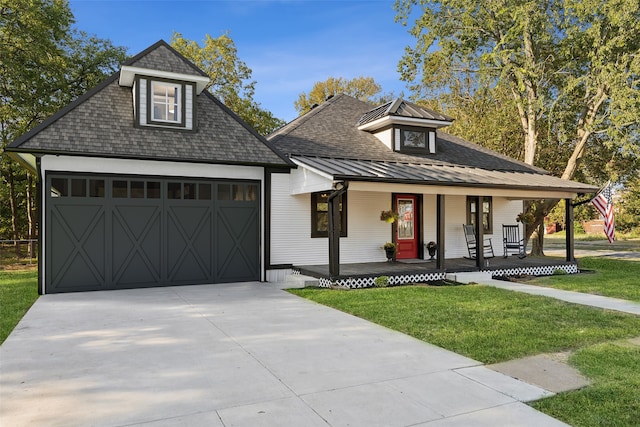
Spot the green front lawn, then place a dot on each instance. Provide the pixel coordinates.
(18, 292)
(613, 398)
(612, 278)
(487, 324)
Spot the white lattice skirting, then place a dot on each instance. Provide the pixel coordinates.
(402, 279)
(541, 270)
(368, 282)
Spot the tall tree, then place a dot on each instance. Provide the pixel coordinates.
(363, 88)
(230, 78)
(44, 64)
(571, 67)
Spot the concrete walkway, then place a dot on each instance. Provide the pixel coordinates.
(569, 296)
(244, 354)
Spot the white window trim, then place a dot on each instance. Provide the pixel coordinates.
(177, 102)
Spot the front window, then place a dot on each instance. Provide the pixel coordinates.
(166, 102)
(487, 213)
(320, 215)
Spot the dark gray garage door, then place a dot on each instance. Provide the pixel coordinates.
(114, 232)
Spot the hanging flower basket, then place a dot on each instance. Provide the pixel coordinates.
(389, 216)
(525, 218)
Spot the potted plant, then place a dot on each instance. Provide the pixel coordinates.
(432, 247)
(390, 250)
(389, 216)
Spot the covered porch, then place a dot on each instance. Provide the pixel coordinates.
(362, 275)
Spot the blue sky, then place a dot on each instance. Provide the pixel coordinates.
(289, 45)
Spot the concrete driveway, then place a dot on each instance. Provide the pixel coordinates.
(243, 354)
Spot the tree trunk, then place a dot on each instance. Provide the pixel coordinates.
(535, 231)
(13, 202)
(583, 132)
(30, 214)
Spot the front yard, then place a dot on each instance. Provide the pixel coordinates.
(18, 292)
(611, 277)
(493, 325)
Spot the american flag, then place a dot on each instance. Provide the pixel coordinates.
(604, 204)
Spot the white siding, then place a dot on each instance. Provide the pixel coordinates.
(149, 167)
(291, 241)
(142, 120)
(386, 137)
(188, 109)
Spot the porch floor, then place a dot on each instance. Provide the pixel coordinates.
(427, 269)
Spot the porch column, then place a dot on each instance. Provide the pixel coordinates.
(479, 234)
(568, 211)
(440, 236)
(333, 202)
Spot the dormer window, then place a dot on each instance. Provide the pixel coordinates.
(166, 102)
(415, 140)
(163, 99)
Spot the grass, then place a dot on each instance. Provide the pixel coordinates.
(612, 278)
(613, 399)
(487, 324)
(18, 292)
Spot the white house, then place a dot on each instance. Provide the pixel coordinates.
(148, 180)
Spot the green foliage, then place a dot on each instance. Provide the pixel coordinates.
(613, 398)
(381, 282)
(363, 88)
(18, 292)
(628, 207)
(230, 78)
(484, 323)
(44, 65)
(565, 73)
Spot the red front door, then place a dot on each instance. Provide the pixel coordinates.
(406, 230)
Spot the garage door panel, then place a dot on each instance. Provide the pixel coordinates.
(235, 241)
(189, 249)
(136, 245)
(77, 260)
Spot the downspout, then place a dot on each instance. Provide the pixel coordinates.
(333, 201)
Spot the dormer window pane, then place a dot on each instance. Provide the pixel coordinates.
(414, 139)
(166, 102)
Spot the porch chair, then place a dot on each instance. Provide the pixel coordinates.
(470, 237)
(511, 241)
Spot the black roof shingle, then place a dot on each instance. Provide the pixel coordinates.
(327, 138)
(101, 123)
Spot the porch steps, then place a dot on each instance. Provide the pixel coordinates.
(469, 277)
(297, 281)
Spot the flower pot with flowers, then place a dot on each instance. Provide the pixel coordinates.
(389, 216)
(525, 218)
(390, 249)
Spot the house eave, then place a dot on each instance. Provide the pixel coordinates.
(26, 160)
(560, 192)
(128, 74)
(31, 153)
(397, 120)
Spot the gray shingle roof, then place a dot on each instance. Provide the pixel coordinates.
(327, 138)
(101, 123)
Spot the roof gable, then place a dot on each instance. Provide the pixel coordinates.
(101, 123)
